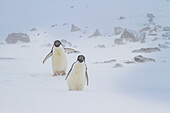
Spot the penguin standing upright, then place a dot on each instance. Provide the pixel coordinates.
(59, 60)
(77, 76)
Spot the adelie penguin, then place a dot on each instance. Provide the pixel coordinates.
(59, 60)
(77, 77)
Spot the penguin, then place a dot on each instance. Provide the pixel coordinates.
(59, 60)
(77, 77)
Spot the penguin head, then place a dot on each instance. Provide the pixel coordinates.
(81, 58)
(57, 43)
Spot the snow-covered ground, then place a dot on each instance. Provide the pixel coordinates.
(27, 85)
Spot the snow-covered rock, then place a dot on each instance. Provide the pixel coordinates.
(118, 41)
(118, 30)
(105, 62)
(146, 50)
(145, 29)
(163, 46)
(166, 28)
(33, 29)
(96, 34)
(132, 36)
(117, 65)
(13, 38)
(142, 59)
(100, 46)
(74, 28)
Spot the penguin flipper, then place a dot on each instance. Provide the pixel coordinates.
(48, 56)
(87, 78)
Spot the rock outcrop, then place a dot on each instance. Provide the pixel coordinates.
(95, 34)
(13, 38)
(166, 28)
(142, 59)
(146, 50)
(118, 30)
(132, 36)
(74, 28)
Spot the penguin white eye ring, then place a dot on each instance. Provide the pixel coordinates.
(59, 60)
(77, 76)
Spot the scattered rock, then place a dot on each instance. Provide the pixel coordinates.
(121, 18)
(65, 43)
(38, 34)
(152, 33)
(157, 28)
(166, 28)
(33, 29)
(129, 62)
(54, 25)
(25, 46)
(96, 34)
(74, 28)
(72, 7)
(142, 59)
(118, 30)
(70, 50)
(117, 65)
(167, 43)
(150, 16)
(132, 36)
(143, 40)
(100, 46)
(163, 46)
(104, 62)
(118, 41)
(145, 29)
(166, 34)
(13, 38)
(155, 39)
(7, 58)
(65, 24)
(146, 50)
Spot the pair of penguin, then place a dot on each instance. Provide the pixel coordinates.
(77, 77)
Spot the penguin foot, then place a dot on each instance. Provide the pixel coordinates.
(63, 73)
(55, 74)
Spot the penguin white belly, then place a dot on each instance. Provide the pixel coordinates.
(59, 61)
(76, 78)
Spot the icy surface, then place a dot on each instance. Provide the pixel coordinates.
(27, 85)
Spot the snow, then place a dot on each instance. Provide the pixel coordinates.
(27, 85)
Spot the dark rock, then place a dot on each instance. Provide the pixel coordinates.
(54, 25)
(146, 50)
(142, 59)
(15, 37)
(117, 65)
(33, 29)
(155, 39)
